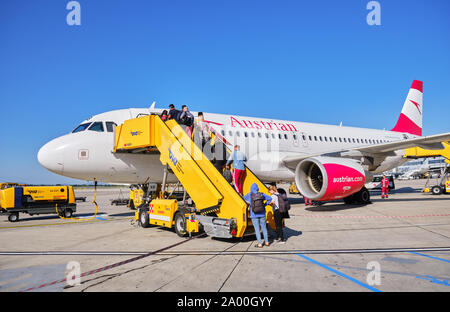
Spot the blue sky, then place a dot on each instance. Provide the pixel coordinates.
(313, 61)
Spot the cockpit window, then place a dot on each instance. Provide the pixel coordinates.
(110, 126)
(81, 127)
(97, 126)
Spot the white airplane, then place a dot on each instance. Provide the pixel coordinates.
(327, 162)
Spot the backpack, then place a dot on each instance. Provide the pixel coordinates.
(283, 203)
(258, 202)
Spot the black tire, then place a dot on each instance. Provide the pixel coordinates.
(67, 213)
(436, 190)
(13, 217)
(180, 224)
(144, 218)
(132, 207)
(349, 199)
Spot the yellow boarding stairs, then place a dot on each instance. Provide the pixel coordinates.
(219, 209)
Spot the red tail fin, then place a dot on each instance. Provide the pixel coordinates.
(410, 120)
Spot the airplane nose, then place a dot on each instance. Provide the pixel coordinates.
(51, 157)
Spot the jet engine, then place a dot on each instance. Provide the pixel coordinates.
(329, 178)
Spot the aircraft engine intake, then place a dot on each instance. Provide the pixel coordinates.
(329, 178)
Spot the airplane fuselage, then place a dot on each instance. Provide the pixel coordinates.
(88, 154)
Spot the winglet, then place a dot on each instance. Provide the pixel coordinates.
(410, 120)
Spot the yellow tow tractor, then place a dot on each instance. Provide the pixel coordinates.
(36, 200)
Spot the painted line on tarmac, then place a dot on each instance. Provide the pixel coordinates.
(428, 256)
(371, 217)
(340, 273)
(108, 267)
(224, 253)
(64, 223)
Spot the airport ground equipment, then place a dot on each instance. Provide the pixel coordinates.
(217, 208)
(293, 188)
(417, 152)
(442, 185)
(37, 200)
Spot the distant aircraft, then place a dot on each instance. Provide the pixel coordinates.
(327, 162)
(417, 168)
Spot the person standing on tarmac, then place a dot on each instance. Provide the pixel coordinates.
(258, 202)
(384, 187)
(277, 213)
(238, 159)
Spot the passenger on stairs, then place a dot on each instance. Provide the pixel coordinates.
(202, 130)
(187, 119)
(258, 202)
(173, 113)
(164, 115)
(238, 159)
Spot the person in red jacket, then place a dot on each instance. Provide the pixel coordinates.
(384, 187)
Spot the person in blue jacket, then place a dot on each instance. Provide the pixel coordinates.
(259, 218)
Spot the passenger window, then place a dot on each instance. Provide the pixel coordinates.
(267, 135)
(97, 126)
(295, 137)
(238, 133)
(246, 134)
(285, 136)
(273, 136)
(110, 126)
(315, 138)
(340, 140)
(279, 136)
(253, 134)
(320, 138)
(310, 138)
(230, 133)
(326, 140)
(223, 132)
(345, 140)
(81, 127)
(259, 134)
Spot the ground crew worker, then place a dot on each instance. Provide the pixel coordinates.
(238, 159)
(384, 187)
(308, 201)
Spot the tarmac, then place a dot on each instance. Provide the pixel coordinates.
(330, 248)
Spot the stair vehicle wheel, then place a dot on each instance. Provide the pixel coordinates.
(144, 218)
(13, 217)
(132, 207)
(436, 190)
(180, 224)
(67, 213)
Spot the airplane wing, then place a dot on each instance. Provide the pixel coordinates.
(383, 149)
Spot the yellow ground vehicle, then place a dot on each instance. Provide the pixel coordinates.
(218, 209)
(37, 200)
(293, 189)
(443, 185)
